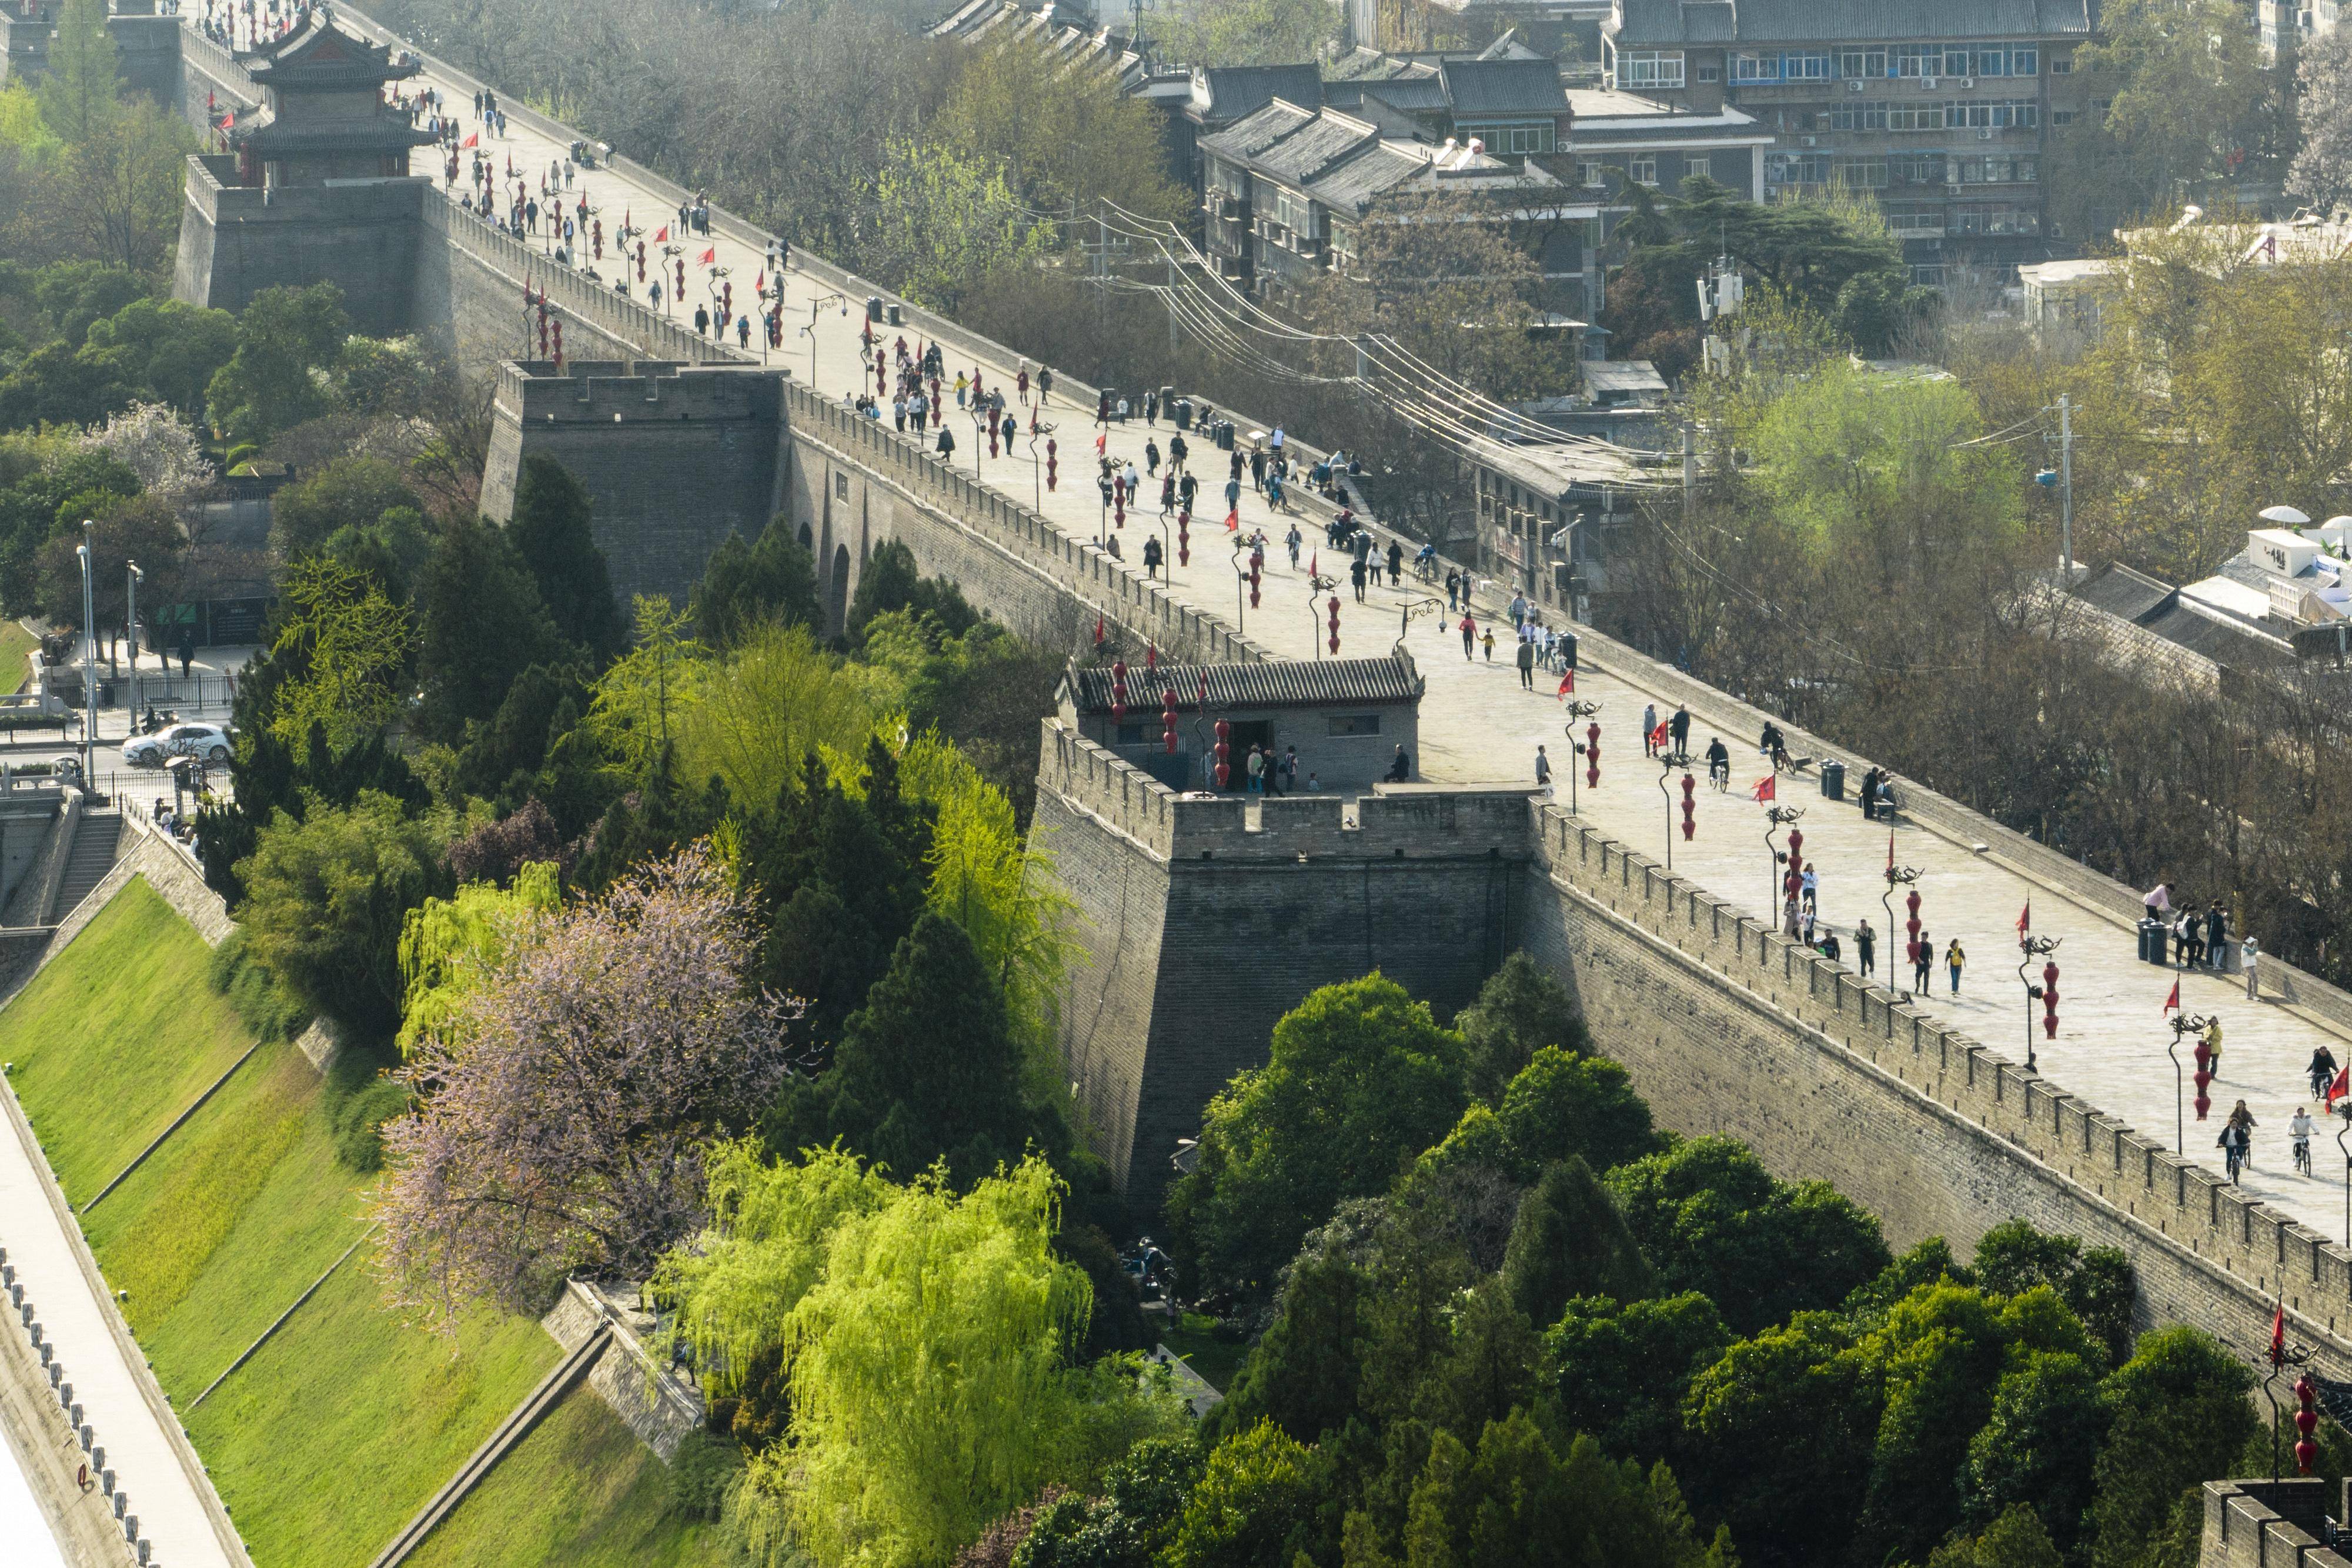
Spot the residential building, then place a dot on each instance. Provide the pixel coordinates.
(1548, 516)
(1941, 111)
(1289, 190)
(1657, 144)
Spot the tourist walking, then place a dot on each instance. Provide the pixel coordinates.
(1648, 730)
(2249, 955)
(1470, 635)
(1923, 963)
(1543, 771)
(1865, 943)
(1954, 960)
(1527, 664)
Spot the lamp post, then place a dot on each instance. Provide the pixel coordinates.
(2183, 1025)
(1245, 584)
(1575, 709)
(1037, 463)
(131, 628)
(1316, 584)
(1900, 876)
(2278, 1356)
(2030, 948)
(89, 554)
(1414, 609)
(2343, 1111)
(1775, 819)
(1667, 762)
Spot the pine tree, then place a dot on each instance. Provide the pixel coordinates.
(550, 531)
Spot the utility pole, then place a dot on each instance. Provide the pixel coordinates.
(131, 625)
(89, 554)
(2065, 491)
(1172, 310)
(1690, 470)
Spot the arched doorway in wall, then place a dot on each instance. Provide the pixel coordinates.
(837, 609)
(808, 539)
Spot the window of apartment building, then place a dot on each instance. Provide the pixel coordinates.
(1710, 71)
(1796, 168)
(2060, 65)
(1862, 174)
(1991, 63)
(1916, 168)
(1915, 223)
(1588, 172)
(1643, 168)
(1343, 244)
(1517, 138)
(1918, 59)
(1993, 220)
(2021, 114)
(2027, 62)
(1858, 63)
(1653, 70)
(1955, 62)
(1294, 212)
(1915, 117)
(1805, 67)
(1850, 116)
(2062, 116)
(1755, 68)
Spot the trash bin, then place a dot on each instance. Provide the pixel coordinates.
(2151, 941)
(1224, 435)
(874, 307)
(1567, 648)
(1833, 780)
(898, 316)
(1183, 413)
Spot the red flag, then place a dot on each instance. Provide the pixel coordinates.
(708, 259)
(1658, 736)
(663, 237)
(1099, 630)
(1310, 564)
(2025, 918)
(2172, 1002)
(228, 121)
(2339, 1086)
(2278, 1336)
(1568, 685)
(1767, 789)
(474, 141)
(1233, 522)
(760, 284)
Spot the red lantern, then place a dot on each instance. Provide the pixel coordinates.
(1118, 691)
(1050, 464)
(1151, 656)
(1168, 719)
(726, 291)
(1591, 755)
(1183, 537)
(2306, 1421)
(1690, 808)
(1334, 607)
(641, 261)
(1225, 754)
(1253, 581)
(559, 342)
(2203, 1102)
(2050, 1000)
(681, 283)
(596, 239)
(1911, 903)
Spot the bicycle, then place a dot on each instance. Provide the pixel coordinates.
(2303, 1156)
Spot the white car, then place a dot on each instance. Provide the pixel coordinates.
(211, 742)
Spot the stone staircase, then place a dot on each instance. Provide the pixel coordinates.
(96, 843)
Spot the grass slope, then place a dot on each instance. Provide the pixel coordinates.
(327, 1441)
(116, 1037)
(580, 1491)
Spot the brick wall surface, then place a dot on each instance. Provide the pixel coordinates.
(365, 237)
(2267, 1524)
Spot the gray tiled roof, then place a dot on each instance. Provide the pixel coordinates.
(1243, 140)
(2120, 590)
(1354, 184)
(1236, 92)
(1315, 148)
(1321, 683)
(1503, 87)
(1847, 21)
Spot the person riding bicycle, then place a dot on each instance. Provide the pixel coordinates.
(2237, 1139)
(2322, 1071)
(2298, 1132)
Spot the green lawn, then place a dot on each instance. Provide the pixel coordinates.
(1215, 1360)
(116, 1037)
(15, 643)
(339, 1430)
(580, 1492)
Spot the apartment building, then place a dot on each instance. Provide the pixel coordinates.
(1942, 112)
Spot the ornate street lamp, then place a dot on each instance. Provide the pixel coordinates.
(2030, 948)
(1575, 709)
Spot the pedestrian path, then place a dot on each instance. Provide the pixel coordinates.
(1477, 724)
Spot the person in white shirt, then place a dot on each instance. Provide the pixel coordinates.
(2298, 1132)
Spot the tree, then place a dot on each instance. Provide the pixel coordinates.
(944, 218)
(549, 531)
(482, 625)
(744, 585)
(2322, 174)
(118, 166)
(449, 946)
(282, 337)
(1359, 1081)
(566, 1099)
(1131, 1524)
(347, 646)
(158, 446)
(1710, 1219)
(1246, 32)
(1622, 1368)
(326, 897)
(926, 1364)
(1304, 1372)
(2038, 1447)
(143, 529)
(927, 1072)
(2016, 1539)
(2177, 1418)
(1520, 1010)
(1779, 1431)
(2096, 1283)
(1569, 1241)
(748, 719)
(167, 350)
(1253, 1498)
(892, 581)
(1564, 1107)
(639, 699)
(349, 493)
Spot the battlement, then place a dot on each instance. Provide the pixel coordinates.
(1394, 822)
(613, 392)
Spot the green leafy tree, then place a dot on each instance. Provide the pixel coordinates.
(141, 529)
(348, 493)
(640, 699)
(773, 578)
(326, 899)
(1711, 1217)
(2016, 1539)
(551, 532)
(111, 179)
(482, 624)
(1131, 1524)
(892, 581)
(1779, 1431)
(945, 218)
(504, 755)
(2037, 1446)
(2096, 1283)
(1564, 1107)
(283, 336)
(1303, 1374)
(1623, 1368)
(1253, 1499)
(449, 946)
(1570, 1240)
(167, 350)
(1360, 1080)
(1520, 1010)
(1247, 32)
(2177, 1418)
(351, 645)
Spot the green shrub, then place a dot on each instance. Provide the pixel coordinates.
(700, 1474)
(357, 1119)
(263, 1004)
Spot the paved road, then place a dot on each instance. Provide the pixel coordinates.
(1478, 725)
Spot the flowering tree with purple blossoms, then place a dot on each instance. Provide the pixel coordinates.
(565, 1102)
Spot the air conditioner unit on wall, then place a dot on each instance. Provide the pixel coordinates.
(1812, 141)
(1985, 134)
(1854, 85)
(1927, 84)
(1967, 82)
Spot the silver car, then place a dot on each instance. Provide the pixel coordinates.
(211, 742)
